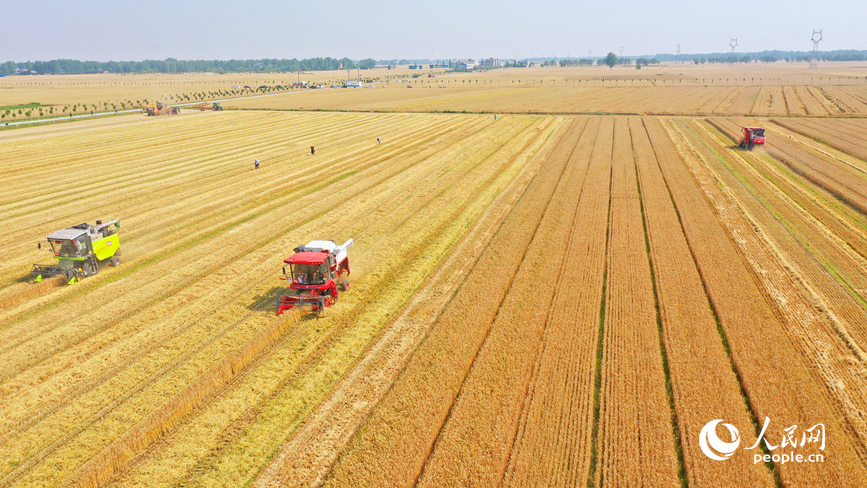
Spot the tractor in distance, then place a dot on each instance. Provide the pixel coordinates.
(215, 106)
(752, 136)
(81, 250)
(316, 272)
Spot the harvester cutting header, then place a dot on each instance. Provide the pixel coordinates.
(81, 250)
(316, 271)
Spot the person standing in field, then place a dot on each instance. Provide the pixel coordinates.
(312, 150)
(256, 164)
(379, 139)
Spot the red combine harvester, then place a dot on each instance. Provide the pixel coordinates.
(317, 271)
(751, 137)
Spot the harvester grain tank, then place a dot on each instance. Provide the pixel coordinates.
(81, 250)
(317, 271)
(752, 136)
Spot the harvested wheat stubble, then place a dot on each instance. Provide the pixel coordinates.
(138, 295)
(635, 445)
(99, 468)
(827, 260)
(704, 386)
(840, 134)
(772, 371)
(307, 456)
(777, 242)
(238, 455)
(392, 445)
(475, 443)
(270, 231)
(838, 178)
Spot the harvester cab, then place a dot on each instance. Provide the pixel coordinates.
(316, 272)
(81, 250)
(752, 136)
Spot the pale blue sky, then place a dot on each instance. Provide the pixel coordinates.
(104, 30)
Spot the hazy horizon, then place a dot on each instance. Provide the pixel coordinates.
(102, 30)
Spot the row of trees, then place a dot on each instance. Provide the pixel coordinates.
(172, 65)
(767, 58)
(611, 60)
(776, 55)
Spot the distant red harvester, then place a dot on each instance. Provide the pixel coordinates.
(752, 136)
(317, 270)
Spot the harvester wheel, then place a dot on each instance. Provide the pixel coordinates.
(115, 261)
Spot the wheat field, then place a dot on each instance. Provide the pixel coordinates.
(555, 297)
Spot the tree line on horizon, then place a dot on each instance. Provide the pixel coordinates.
(171, 65)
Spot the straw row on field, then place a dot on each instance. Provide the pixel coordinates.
(827, 252)
(790, 253)
(99, 468)
(771, 369)
(849, 136)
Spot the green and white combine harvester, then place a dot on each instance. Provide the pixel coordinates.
(81, 250)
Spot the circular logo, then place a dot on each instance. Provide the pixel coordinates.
(711, 444)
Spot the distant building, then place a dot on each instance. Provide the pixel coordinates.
(465, 65)
(492, 63)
